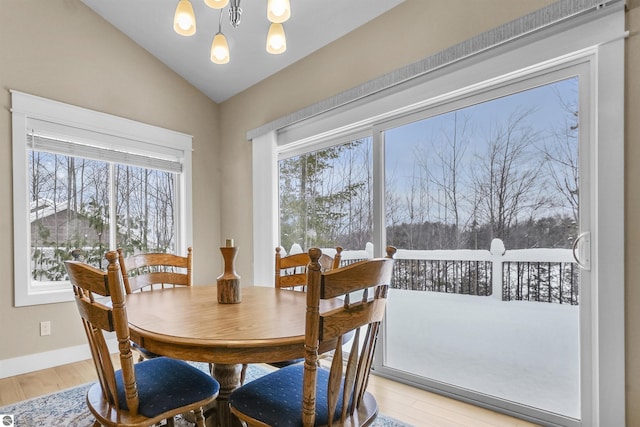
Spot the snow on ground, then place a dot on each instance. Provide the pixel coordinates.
(525, 352)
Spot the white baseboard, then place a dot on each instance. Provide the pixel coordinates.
(48, 359)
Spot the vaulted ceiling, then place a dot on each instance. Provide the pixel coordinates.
(313, 24)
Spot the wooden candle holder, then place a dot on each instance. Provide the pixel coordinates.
(229, 281)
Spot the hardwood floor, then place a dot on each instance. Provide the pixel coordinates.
(411, 405)
(422, 408)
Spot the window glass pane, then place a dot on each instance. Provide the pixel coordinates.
(483, 201)
(505, 169)
(326, 197)
(145, 204)
(68, 213)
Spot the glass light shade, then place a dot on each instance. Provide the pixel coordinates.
(278, 11)
(276, 40)
(219, 49)
(184, 21)
(216, 4)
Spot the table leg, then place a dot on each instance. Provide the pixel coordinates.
(229, 378)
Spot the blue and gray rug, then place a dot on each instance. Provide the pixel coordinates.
(67, 408)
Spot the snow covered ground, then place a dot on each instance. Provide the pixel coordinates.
(525, 352)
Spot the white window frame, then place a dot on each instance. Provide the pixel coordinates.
(598, 39)
(29, 111)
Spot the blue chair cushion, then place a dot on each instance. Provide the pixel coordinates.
(276, 398)
(165, 384)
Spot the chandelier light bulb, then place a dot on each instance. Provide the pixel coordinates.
(216, 4)
(278, 11)
(219, 49)
(184, 21)
(276, 39)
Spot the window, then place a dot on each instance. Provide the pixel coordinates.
(326, 197)
(86, 183)
(486, 206)
(503, 168)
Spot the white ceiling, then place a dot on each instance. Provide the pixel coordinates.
(313, 24)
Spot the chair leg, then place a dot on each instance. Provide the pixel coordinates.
(243, 374)
(171, 422)
(199, 417)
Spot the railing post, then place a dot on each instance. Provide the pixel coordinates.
(497, 252)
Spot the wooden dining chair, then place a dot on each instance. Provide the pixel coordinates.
(149, 271)
(309, 395)
(140, 394)
(291, 273)
(291, 270)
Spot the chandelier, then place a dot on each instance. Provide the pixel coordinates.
(278, 11)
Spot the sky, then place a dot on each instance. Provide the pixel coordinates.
(420, 142)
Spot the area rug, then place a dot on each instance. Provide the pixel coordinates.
(67, 408)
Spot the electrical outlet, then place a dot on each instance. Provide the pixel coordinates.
(45, 328)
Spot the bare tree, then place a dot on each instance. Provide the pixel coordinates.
(561, 155)
(447, 155)
(393, 208)
(417, 205)
(355, 176)
(508, 175)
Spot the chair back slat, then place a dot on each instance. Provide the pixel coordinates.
(293, 280)
(92, 280)
(354, 277)
(155, 270)
(364, 364)
(291, 270)
(95, 313)
(99, 318)
(102, 359)
(335, 380)
(155, 259)
(158, 278)
(344, 320)
(364, 287)
(293, 261)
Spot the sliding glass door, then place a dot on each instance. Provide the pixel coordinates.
(500, 178)
(483, 200)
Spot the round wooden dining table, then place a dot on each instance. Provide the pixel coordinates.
(188, 323)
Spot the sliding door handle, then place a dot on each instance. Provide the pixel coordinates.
(582, 250)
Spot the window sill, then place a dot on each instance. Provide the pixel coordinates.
(38, 297)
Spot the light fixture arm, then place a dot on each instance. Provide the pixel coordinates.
(235, 13)
(220, 21)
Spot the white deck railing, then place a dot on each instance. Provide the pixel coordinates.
(542, 275)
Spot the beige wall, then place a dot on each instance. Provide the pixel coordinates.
(60, 49)
(632, 213)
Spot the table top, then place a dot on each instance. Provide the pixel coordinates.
(188, 323)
